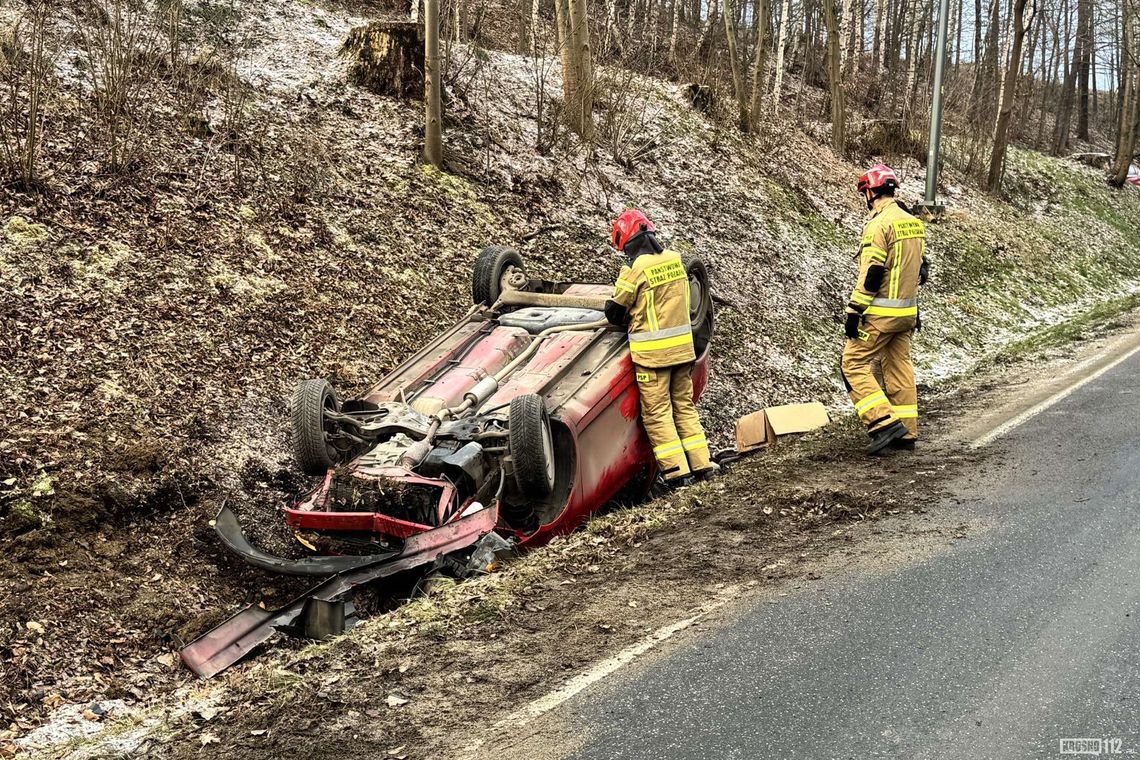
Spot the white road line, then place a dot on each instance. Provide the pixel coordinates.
(1036, 409)
(583, 680)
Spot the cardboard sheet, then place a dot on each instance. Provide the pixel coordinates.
(765, 427)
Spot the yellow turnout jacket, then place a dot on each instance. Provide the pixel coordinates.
(886, 292)
(655, 291)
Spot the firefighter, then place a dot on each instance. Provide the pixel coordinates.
(651, 295)
(882, 315)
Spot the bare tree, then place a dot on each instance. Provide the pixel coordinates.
(122, 49)
(1019, 27)
(1087, 44)
(758, 66)
(835, 80)
(26, 78)
(881, 18)
(675, 27)
(433, 105)
(1129, 121)
(734, 65)
(781, 45)
(577, 65)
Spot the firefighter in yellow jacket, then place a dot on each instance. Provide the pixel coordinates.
(882, 315)
(652, 296)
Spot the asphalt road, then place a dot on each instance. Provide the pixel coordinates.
(1012, 640)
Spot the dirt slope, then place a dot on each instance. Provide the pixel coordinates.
(155, 323)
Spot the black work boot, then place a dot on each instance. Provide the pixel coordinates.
(707, 472)
(883, 437)
(903, 444)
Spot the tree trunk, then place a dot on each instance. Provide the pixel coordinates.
(433, 130)
(579, 99)
(1085, 30)
(1037, 29)
(1062, 128)
(630, 20)
(534, 27)
(654, 27)
(1130, 127)
(961, 4)
(785, 22)
(880, 51)
(843, 7)
(986, 69)
(857, 27)
(758, 64)
(1008, 93)
(977, 42)
(566, 58)
(608, 35)
(1129, 123)
(676, 24)
(734, 64)
(835, 80)
(912, 55)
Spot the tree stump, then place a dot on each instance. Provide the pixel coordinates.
(387, 58)
(700, 96)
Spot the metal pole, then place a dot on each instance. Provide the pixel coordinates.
(932, 151)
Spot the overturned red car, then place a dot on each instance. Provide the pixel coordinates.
(507, 429)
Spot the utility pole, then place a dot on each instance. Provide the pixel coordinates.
(929, 202)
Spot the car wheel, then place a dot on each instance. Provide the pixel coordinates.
(487, 275)
(311, 427)
(700, 293)
(532, 446)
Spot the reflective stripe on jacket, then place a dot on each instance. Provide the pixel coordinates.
(655, 291)
(891, 251)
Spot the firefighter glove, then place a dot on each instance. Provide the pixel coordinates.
(924, 271)
(616, 314)
(918, 322)
(851, 326)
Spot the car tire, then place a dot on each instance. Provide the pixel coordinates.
(310, 426)
(700, 291)
(531, 445)
(487, 275)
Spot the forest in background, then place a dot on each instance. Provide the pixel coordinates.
(1058, 76)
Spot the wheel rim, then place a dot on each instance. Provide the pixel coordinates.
(696, 300)
(506, 275)
(329, 428)
(548, 452)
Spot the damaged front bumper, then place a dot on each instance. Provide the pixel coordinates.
(229, 530)
(323, 610)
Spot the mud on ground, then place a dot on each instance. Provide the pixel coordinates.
(425, 680)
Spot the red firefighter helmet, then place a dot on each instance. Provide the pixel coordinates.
(879, 175)
(631, 223)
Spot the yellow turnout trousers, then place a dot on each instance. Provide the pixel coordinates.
(670, 419)
(897, 399)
